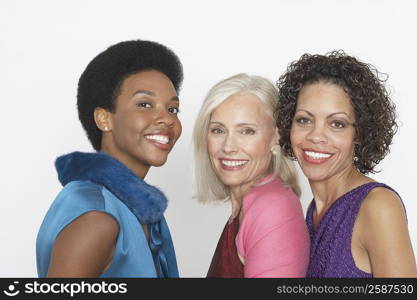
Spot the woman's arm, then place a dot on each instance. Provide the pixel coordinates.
(275, 240)
(84, 248)
(385, 236)
(282, 252)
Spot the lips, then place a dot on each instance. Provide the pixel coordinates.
(161, 140)
(316, 157)
(232, 164)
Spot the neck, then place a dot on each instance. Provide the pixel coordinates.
(327, 191)
(238, 192)
(135, 166)
(236, 197)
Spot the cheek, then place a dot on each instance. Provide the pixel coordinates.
(344, 142)
(212, 146)
(139, 126)
(258, 149)
(178, 129)
(123, 126)
(131, 122)
(347, 146)
(295, 137)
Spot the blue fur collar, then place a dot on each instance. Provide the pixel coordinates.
(145, 201)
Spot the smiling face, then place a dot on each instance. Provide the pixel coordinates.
(323, 131)
(144, 126)
(240, 137)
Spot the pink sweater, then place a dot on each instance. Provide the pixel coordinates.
(273, 238)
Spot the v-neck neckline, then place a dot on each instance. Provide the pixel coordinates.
(332, 206)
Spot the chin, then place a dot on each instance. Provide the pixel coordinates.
(157, 162)
(312, 176)
(231, 181)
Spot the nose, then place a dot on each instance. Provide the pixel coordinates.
(229, 144)
(164, 117)
(317, 134)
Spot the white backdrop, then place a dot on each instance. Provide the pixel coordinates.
(45, 45)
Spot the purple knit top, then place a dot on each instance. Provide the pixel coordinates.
(330, 253)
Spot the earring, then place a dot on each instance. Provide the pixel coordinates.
(291, 156)
(274, 149)
(355, 153)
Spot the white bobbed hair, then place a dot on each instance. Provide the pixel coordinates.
(208, 186)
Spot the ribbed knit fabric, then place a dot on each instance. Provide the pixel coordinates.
(330, 253)
(225, 262)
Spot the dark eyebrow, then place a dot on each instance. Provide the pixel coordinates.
(331, 115)
(336, 113)
(145, 92)
(152, 94)
(306, 111)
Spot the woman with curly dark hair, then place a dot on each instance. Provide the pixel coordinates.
(335, 117)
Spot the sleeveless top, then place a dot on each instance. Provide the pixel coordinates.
(98, 182)
(132, 257)
(330, 253)
(225, 262)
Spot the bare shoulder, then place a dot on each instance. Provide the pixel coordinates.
(382, 203)
(85, 246)
(95, 220)
(382, 233)
(94, 228)
(381, 216)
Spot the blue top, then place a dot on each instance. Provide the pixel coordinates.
(330, 253)
(137, 203)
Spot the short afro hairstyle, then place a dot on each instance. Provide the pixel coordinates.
(100, 83)
(374, 111)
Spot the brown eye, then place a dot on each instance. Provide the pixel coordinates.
(302, 121)
(144, 105)
(174, 110)
(338, 124)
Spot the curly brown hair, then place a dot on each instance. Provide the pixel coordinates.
(374, 110)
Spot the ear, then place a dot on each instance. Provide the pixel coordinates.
(102, 119)
(274, 142)
(275, 149)
(356, 139)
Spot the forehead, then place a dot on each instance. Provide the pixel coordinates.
(241, 108)
(151, 80)
(324, 98)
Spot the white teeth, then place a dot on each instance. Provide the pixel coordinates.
(316, 155)
(162, 139)
(233, 163)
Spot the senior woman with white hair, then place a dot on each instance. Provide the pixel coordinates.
(238, 159)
